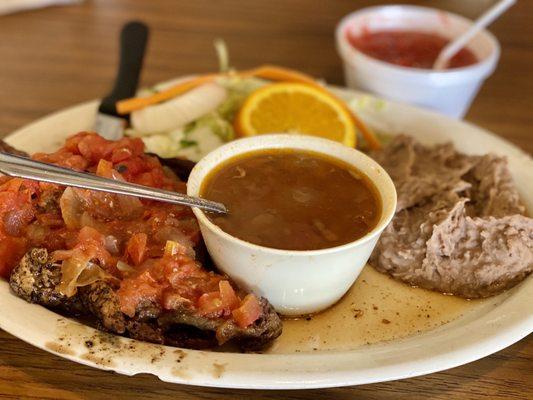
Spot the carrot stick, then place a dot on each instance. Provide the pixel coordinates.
(136, 103)
(368, 135)
(275, 73)
(266, 71)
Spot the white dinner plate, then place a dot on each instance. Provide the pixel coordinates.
(501, 322)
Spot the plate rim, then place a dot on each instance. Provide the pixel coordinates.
(314, 377)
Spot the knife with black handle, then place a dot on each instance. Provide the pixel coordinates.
(133, 39)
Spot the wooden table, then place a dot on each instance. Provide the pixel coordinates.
(53, 58)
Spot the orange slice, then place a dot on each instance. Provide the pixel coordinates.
(290, 107)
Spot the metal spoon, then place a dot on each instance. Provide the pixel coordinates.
(23, 167)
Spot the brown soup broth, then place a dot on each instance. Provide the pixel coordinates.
(292, 199)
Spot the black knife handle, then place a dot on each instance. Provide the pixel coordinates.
(133, 40)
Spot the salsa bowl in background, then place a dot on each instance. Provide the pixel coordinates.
(449, 91)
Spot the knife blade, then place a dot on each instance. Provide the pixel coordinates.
(133, 39)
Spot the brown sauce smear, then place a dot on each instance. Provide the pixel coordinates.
(293, 200)
(376, 309)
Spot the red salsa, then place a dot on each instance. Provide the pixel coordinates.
(408, 48)
(146, 249)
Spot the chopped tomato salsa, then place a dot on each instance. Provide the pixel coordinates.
(408, 48)
(145, 248)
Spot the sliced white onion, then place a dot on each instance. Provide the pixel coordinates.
(112, 244)
(178, 111)
(91, 274)
(71, 208)
(123, 267)
(77, 272)
(173, 248)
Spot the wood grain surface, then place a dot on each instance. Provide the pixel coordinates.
(57, 57)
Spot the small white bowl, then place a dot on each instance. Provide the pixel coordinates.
(295, 282)
(450, 91)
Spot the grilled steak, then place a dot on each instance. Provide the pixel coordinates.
(459, 226)
(36, 280)
(136, 268)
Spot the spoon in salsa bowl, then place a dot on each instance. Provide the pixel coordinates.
(452, 48)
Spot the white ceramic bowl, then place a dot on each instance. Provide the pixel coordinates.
(450, 91)
(295, 282)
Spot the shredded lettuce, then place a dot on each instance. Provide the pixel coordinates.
(211, 130)
(214, 122)
(238, 90)
(220, 121)
(192, 144)
(184, 143)
(222, 54)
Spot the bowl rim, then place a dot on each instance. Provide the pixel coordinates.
(485, 65)
(387, 187)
